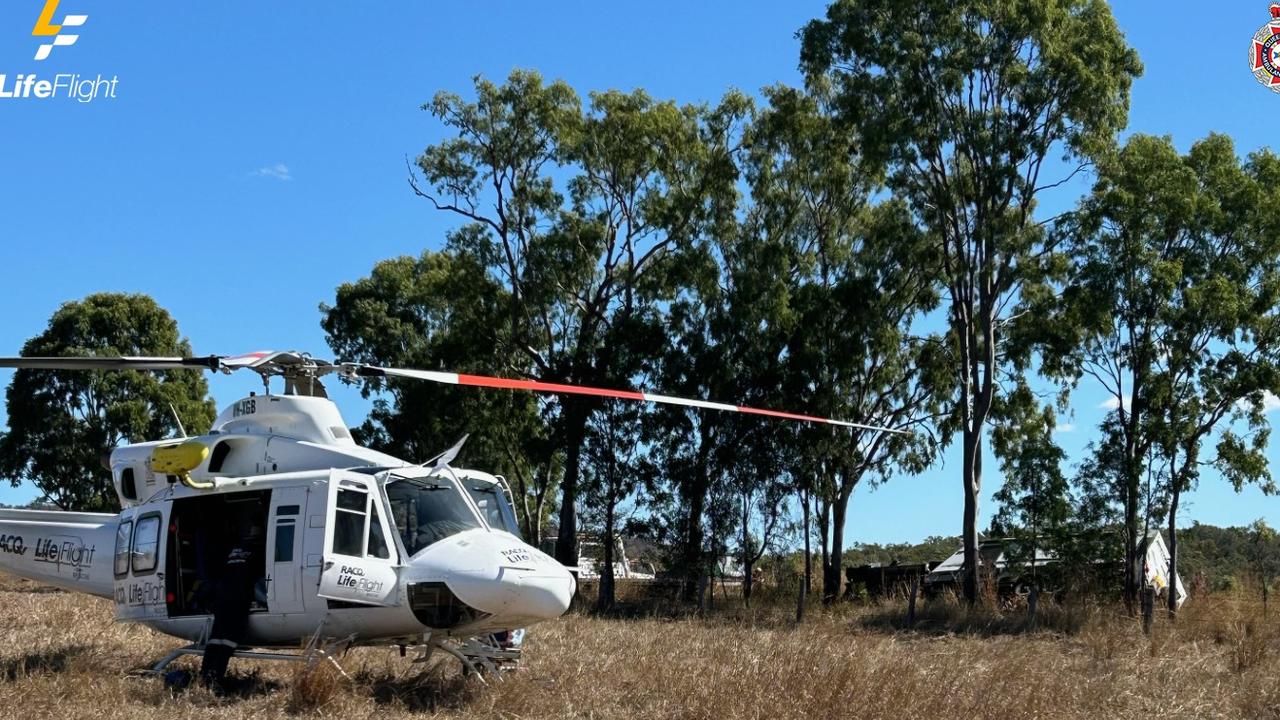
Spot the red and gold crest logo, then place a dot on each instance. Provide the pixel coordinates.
(1262, 55)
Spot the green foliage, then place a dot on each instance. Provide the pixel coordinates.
(931, 549)
(441, 310)
(1219, 559)
(1263, 553)
(845, 282)
(1170, 306)
(579, 224)
(615, 467)
(1034, 503)
(962, 102)
(62, 423)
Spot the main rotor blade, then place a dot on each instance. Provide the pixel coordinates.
(489, 381)
(212, 362)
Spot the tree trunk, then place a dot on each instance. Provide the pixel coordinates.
(808, 551)
(824, 535)
(1173, 550)
(746, 549)
(1132, 557)
(972, 475)
(575, 432)
(691, 555)
(1134, 540)
(833, 571)
(808, 559)
(606, 596)
(911, 604)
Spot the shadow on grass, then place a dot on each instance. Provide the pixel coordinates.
(243, 687)
(435, 689)
(41, 662)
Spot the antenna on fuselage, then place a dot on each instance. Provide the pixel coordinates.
(178, 420)
(447, 456)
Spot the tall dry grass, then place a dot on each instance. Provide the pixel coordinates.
(61, 656)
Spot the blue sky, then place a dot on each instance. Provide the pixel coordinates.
(254, 158)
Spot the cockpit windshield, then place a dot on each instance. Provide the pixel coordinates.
(492, 501)
(428, 510)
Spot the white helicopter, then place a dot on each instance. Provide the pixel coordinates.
(358, 547)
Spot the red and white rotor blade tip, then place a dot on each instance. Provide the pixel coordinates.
(488, 381)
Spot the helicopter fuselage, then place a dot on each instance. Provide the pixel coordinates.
(352, 542)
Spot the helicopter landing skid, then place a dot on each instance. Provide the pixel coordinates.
(194, 649)
(477, 657)
(311, 654)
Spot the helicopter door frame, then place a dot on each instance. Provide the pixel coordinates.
(359, 566)
(286, 537)
(138, 564)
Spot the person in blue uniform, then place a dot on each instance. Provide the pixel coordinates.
(231, 604)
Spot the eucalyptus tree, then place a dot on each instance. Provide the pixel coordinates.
(617, 467)
(963, 101)
(728, 328)
(1219, 336)
(1035, 504)
(859, 276)
(1263, 555)
(579, 215)
(1170, 308)
(61, 423)
(442, 311)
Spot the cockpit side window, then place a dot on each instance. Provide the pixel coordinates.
(493, 505)
(426, 511)
(377, 543)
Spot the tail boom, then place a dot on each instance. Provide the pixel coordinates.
(69, 550)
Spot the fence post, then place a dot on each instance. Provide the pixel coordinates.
(1033, 599)
(800, 601)
(911, 604)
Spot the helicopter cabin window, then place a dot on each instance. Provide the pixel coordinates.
(284, 541)
(146, 541)
(428, 510)
(124, 535)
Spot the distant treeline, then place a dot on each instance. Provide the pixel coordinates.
(1212, 557)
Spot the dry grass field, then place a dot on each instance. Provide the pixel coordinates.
(61, 656)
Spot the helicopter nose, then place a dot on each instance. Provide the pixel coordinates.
(544, 596)
(527, 590)
(509, 580)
